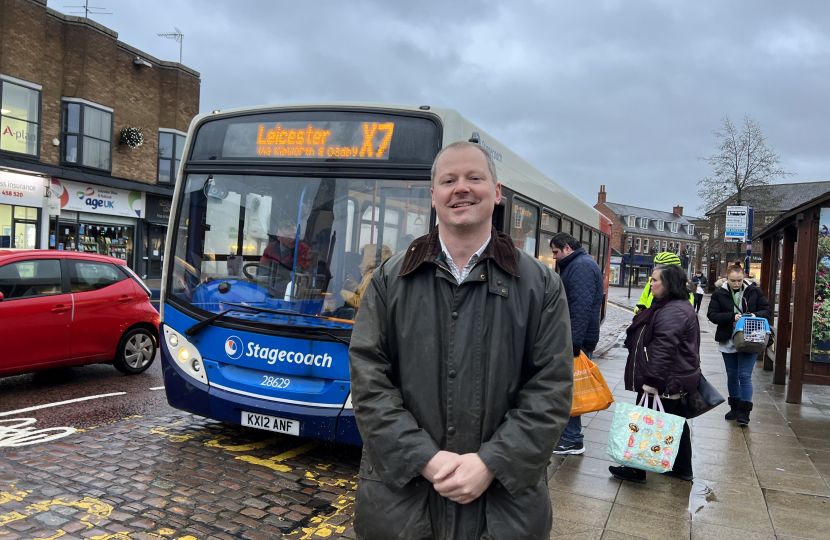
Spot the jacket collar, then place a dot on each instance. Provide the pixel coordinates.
(426, 248)
(570, 258)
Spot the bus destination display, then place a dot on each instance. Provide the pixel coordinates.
(312, 140)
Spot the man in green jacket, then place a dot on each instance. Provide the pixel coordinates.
(461, 365)
(664, 258)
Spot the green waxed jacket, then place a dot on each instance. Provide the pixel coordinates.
(485, 366)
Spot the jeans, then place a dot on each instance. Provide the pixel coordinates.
(739, 374)
(698, 300)
(573, 431)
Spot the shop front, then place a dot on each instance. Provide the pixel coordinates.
(157, 214)
(96, 219)
(21, 206)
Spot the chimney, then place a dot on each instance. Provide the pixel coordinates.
(678, 210)
(601, 195)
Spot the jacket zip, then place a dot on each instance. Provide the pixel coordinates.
(634, 367)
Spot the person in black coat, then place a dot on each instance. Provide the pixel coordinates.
(737, 297)
(664, 359)
(699, 281)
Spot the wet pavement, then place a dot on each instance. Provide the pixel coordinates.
(768, 480)
(127, 466)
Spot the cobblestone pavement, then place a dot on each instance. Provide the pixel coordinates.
(177, 476)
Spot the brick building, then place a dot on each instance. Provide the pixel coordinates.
(650, 232)
(68, 87)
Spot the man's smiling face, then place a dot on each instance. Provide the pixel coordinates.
(464, 194)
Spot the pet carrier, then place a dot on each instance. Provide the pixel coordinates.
(751, 334)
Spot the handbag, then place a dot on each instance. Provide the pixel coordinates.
(702, 400)
(644, 438)
(591, 392)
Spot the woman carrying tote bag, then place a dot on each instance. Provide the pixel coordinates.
(734, 298)
(664, 358)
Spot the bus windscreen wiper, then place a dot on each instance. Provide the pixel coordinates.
(242, 307)
(201, 324)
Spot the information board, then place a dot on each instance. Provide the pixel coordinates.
(737, 219)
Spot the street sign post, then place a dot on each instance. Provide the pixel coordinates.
(737, 220)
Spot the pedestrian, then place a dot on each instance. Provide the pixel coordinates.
(733, 298)
(664, 258)
(582, 279)
(664, 359)
(700, 283)
(462, 374)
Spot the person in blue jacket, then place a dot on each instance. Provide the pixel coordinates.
(582, 279)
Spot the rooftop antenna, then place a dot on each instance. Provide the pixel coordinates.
(87, 10)
(178, 36)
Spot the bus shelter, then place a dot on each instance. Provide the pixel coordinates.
(795, 277)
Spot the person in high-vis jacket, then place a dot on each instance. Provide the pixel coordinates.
(666, 258)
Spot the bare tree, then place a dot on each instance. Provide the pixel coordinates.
(743, 166)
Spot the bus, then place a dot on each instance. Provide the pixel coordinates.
(280, 215)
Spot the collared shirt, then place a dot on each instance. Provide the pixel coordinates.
(461, 275)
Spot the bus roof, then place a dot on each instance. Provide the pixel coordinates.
(514, 172)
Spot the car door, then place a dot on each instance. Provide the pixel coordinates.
(105, 305)
(36, 314)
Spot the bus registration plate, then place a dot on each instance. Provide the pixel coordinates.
(271, 423)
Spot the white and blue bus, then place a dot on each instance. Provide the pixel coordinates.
(280, 214)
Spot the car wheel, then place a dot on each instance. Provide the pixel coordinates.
(136, 352)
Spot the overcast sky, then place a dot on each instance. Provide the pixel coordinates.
(623, 93)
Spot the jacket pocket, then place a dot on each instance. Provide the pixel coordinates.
(381, 514)
(528, 516)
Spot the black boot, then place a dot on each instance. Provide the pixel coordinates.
(733, 408)
(743, 412)
(627, 473)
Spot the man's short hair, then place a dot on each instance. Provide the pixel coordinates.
(460, 145)
(562, 239)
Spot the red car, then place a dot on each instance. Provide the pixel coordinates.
(65, 308)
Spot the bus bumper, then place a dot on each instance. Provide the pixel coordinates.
(327, 424)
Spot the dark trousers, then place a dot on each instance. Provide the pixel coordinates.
(698, 300)
(683, 461)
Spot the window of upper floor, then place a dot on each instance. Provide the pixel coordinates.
(644, 223)
(19, 116)
(674, 226)
(171, 146)
(690, 229)
(86, 131)
(637, 245)
(660, 224)
(645, 245)
(632, 221)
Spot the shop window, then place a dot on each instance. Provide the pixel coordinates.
(171, 146)
(87, 136)
(523, 227)
(19, 119)
(92, 276)
(30, 278)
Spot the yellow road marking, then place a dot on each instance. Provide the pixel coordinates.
(274, 462)
(621, 308)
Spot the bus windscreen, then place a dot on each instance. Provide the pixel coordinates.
(319, 136)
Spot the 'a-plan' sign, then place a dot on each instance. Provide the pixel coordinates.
(737, 218)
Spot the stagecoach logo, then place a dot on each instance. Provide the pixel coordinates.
(233, 347)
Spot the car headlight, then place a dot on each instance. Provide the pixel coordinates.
(185, 354)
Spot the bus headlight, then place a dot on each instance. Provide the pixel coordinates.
(186, 354)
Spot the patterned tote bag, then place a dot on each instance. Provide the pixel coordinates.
(645, 438)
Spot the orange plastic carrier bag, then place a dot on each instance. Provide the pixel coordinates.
(591, 393)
